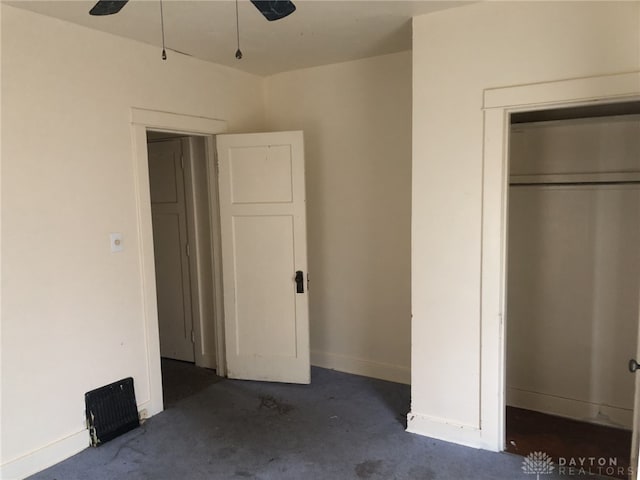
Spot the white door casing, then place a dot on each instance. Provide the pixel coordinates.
(143, 120)
(169, 218)
(263, 231)
(499, 103)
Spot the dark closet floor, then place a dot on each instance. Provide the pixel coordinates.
(529, 431)
(183, 379)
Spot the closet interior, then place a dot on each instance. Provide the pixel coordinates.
(573, 282)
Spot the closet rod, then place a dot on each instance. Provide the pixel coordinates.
(570, 184)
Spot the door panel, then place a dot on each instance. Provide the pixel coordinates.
(263, 229)
(249, 168)
(265, 301)
(162, 173)
(166, 234)
(170, 243)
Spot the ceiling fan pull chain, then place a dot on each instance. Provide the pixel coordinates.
(164, 52)
(238, 51)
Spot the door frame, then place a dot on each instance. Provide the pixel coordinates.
(498, 105)
(141, 121)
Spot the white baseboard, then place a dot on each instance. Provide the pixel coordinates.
(55, 452)
(570, 408)
(44, 457)
(359, 366)
(441, 429)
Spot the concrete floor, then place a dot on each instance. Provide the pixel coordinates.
(340, 427)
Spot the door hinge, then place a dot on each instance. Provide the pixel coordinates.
(193, 337)
(188, 250)
(182, 161)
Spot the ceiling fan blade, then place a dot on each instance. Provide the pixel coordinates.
(107, 7)
(274, 9)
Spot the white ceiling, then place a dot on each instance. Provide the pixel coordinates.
(319, 32)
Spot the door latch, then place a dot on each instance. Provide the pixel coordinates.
(633, 365)
(299, 281)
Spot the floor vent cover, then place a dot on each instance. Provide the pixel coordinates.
(111, 411)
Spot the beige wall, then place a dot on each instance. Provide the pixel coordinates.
(72, 319)
(357, 124)
(457, 54)
(68, 180)
(72, 316)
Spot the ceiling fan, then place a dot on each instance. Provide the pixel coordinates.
(271, 9)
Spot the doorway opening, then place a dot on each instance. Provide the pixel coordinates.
(572, 285)
(263, 242)
(183, 239)
(142, 122)
(258, 220)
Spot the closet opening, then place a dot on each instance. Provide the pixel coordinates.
(573, 285)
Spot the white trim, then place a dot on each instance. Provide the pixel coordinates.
(493, 271)
(442, 429)
(499, 103)
(45, 457)
(216, 258)
(360, 366)
(53, 453)
(540, 95)
(194, 253)
(175, 122)
(141, 120)
(147, 269)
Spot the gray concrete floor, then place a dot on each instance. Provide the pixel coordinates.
(339, 427)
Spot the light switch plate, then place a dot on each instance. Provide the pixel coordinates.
(116, 242)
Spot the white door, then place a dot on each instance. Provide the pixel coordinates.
(170, 245)
(264, 256)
